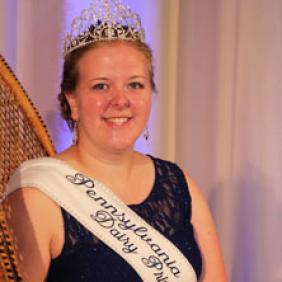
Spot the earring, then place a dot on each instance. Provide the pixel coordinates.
(146, 133)
(75, 133)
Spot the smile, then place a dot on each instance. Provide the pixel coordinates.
(117, 120)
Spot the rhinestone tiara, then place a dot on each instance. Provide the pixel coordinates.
(104, 20)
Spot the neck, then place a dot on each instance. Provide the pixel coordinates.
(117, 170)
(100, 162)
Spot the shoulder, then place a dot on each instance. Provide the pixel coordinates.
(169, 170)
(34, 173)
(164, 166)
(166, 169)
(206, 235)
(33, 166)
(38, 163)
(36, 224)
(35, 161)
(201, 219)
(29, 170)
(201, 214)
(27, 206)
(196, 193)
(30, 204)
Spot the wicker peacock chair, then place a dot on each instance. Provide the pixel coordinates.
(23, 136)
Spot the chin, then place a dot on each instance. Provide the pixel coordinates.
(121, 145)
(122, 148)
(122, 141)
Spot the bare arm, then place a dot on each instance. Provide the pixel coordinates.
(32, 217)
(213, 265)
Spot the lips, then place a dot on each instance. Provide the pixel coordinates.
(117, 120)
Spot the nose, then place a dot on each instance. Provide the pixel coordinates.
(120, 97)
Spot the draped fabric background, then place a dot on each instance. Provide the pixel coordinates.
(217, 112)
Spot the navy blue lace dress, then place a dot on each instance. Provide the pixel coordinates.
(85, 258)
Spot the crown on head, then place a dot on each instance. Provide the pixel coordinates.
(104, 20)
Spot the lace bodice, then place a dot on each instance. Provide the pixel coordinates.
(85, 258)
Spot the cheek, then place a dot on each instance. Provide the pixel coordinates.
(93, 106)
(144, 106)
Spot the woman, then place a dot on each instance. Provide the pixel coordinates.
(106, 98)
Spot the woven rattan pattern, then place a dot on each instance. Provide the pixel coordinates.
(23, 136)
(18, 141)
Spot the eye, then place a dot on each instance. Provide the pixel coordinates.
(135, 85)
(100, 86)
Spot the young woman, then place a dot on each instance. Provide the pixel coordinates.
(106, 98)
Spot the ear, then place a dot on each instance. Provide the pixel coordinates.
(72, 100)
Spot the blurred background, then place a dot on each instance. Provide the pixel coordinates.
(217, 113)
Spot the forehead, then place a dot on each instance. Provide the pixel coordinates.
(113, 56)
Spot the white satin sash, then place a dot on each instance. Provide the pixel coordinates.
(98, 209)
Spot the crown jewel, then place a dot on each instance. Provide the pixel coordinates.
(104, 20)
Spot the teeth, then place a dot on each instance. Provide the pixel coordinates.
(118, 121)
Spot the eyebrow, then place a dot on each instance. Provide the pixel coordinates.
(99, 78)
(131, 77)
(138, 76)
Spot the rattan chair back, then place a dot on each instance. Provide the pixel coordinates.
(23, 136)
